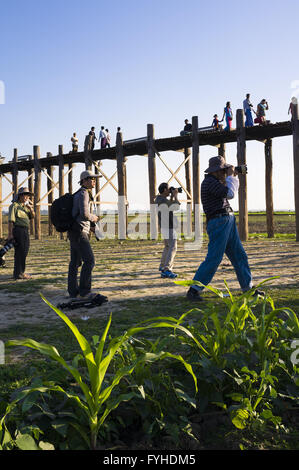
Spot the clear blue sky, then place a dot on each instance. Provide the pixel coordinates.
(71, 64)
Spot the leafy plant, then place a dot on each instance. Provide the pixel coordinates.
(96, 400)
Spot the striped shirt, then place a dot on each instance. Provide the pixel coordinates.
(215, 195)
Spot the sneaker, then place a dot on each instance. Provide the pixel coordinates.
(168, 274)
(194, 295)
(258, 292)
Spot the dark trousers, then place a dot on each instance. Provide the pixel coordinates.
(80, 252)
(22, 243)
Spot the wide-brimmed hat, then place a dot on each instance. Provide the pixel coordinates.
(217, 163)
(24, 190)
(88, 174)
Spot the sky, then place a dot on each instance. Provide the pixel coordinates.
(68, 65)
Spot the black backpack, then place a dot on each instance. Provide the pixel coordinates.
(61, 212)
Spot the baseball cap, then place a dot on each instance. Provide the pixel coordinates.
(88, 174)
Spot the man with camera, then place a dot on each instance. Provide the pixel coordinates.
(219, 185)
(168, 224)
(79, 238)
(20, 213)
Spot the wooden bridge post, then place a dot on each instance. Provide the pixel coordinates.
(221, 150)
(61, 175)
(15, 173)
(37, 192)
(189, 189)
(269, 187)
(30, 173)
(152, 181)
(70, 178)
(50, 197)
(241, 157)
(98, 187)
(87, 152)
(60, 170)
(295, 125)
(196, 176)
(122, 195)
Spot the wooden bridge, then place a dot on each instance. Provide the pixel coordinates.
(188, 144)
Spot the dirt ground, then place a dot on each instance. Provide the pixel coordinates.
(129, 271)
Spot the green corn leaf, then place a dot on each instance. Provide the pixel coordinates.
(83, 343)
(99, 352)
(52, 352)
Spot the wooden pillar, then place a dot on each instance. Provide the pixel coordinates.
(61, 175)
(30, 173)
(98, 187)
(241, 157)
(295, 125)
(189, 189)
(196, 177)
(221, 150)
(269, 187)
(87, 152)
(50, 198)
(70, 178)
(15, 173)
(152, 181)
(122, 196)
(60, 170)
(37, 192)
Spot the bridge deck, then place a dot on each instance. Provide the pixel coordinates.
(139, 147)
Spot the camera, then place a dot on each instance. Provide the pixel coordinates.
(8, 245)
(180, 190)
(242, 169)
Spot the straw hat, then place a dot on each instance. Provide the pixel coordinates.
(24, 190)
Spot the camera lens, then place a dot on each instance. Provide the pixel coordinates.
(242, 169)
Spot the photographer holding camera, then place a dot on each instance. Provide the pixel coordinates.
(20, 213)
(168, 224)
(78, 235)
(219, 185)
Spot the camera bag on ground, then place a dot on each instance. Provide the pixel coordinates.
(61, 212)
(95, 301)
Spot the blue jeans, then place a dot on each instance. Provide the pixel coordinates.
(224, 238)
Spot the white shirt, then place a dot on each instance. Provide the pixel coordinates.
(232, 182)
(246, 104)
(102, 134)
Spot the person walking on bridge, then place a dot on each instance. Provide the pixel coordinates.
(261, 112)
(247, 111)
(228, 115)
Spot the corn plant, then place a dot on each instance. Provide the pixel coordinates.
(238, 334)
(96, 402)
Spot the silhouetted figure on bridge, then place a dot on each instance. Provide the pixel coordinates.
(228, 115)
